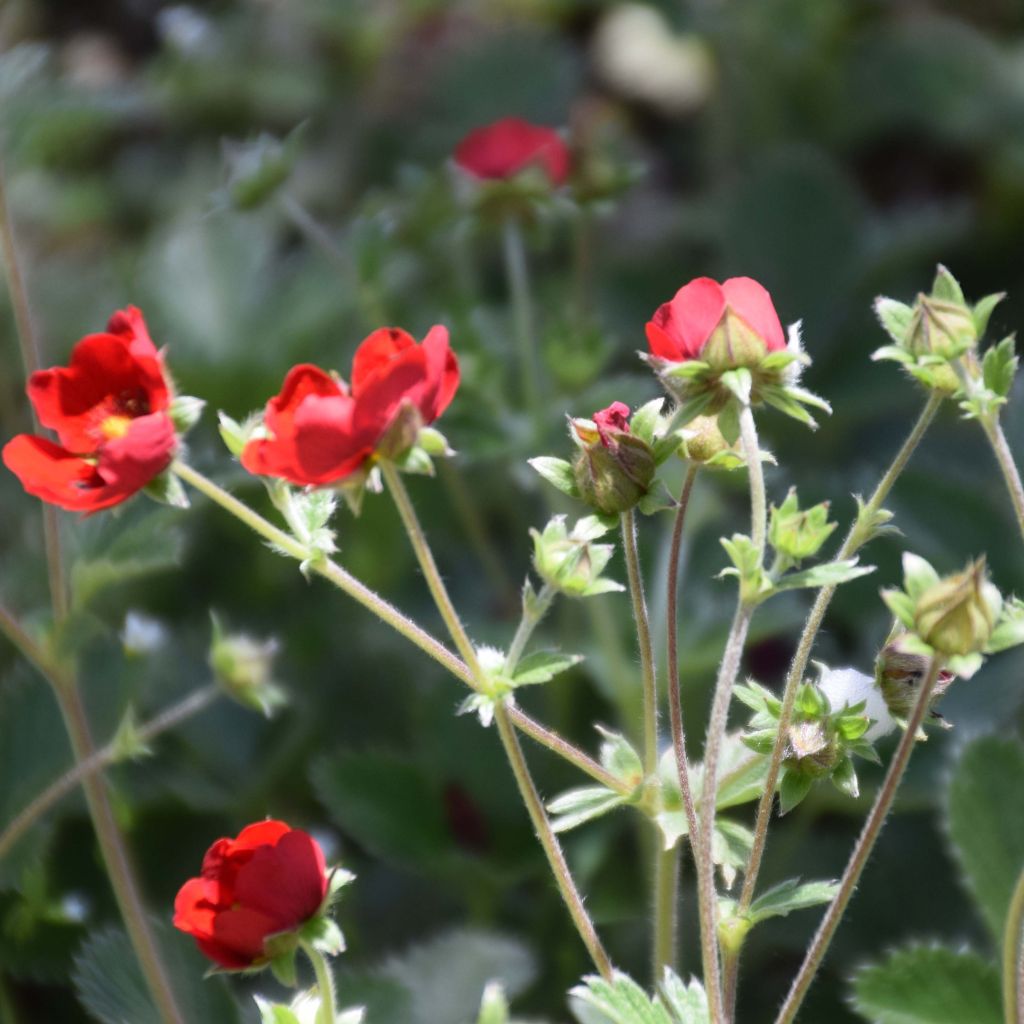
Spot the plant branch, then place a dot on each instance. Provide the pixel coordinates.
(327, 1012)
(534, 805)
(167, 719)
(527, 624)
(1001, 449)
(1013, 956)
(857, 536)
(861, 852)
(517, 272)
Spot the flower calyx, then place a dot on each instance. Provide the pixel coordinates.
(795, 533)
(570, 560)
(821, 740)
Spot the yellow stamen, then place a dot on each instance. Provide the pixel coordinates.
(114, 427)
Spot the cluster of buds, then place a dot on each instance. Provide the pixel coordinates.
(823, 737)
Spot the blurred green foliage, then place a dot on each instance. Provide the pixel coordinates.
(834, 149)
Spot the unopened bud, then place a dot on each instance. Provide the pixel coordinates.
(941, 327)
(703, 440)
(798, 534)
(957, 614)
(900, 673)
(242, 666)
(613, 469)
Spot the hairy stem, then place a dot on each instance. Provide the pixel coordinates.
(327, 1013)
(527, 624)
(388, 614)
(534, 805)
(675, 707)
(666, 907)
(517, 272)
(115, 857)
(861, 852)
(717, 724)
(1013, 957)
(167, 719)
(549, 842)
(858, 535)
(1001, 449)
(28, 343)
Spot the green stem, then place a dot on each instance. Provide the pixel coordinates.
(643, 630)
(168, 719)
(327, 1013)
(675, 707)
(411, 522)
(1013, 956)
(858, 535)
(517, 272)
(328, 570)
(1001, 449)
(717, 725)
(388, 614)
(666, 903)
(861, 852)
(115, 857)
(527, 624)
(549, 842)
(28, 343)
(534, 805)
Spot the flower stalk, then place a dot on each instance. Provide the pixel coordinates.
(327, 1013)
(1011, 475)
(1013, 956)
(517, 273)
(862, 850)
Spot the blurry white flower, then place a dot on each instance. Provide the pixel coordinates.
(845, 687)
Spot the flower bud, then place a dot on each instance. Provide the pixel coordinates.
(899, 673)
(242, 666)
(614, 469)
(703, 440)
(957, 614)
(941, 327)
(571, 561)
(798, 534)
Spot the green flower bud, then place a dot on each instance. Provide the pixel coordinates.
(900, 671)
(733, 343)
(941, 327)
(957, 614)
(703, 440)
(242, 667)
(572, 562)
(798, 534)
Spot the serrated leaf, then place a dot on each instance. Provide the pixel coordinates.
(791, 895)
(986, 823)
(620, 1001)
(543, 666)
(929, 986)
(620, 757)
(688, 1003)
(999, 367)
(110, 984)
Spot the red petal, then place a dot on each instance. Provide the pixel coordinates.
(506, 147)
(751, 301)
(262, 833)
(223, 956)
(128, 323)
(194, 911)
(126, 464)
(302, 380)
(286, 882)
(376, 353)
(442, 370)
(691, 316)
(377, 404)
(103, 378)
(240, 933)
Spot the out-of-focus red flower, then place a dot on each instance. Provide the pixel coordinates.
(738, 317)
(615, 417)
(506, 147)
(109, 407)
(321, 431)
(271, 879)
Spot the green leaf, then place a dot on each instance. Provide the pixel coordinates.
(946, 287)
(185, 411)
(792, 789)
(828, 574)
(109, 981)
(543, 666)
(584, 803)
(1009, 631)
(557, 472)
(982, 311)
(929, 986)
(791, 895)
(275, 1013)
(729, 423)
(688, 1003)
(387, 805)
(645, 420)
(999, 367)
(620, 757)
(894, 317)
(621, 1001)
(493, 1006)
(986, 823)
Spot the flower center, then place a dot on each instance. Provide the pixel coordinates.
(114, 427)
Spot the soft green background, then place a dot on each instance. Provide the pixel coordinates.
(836, 149)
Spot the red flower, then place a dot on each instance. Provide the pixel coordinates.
(680, 329)
(270, 879)
(508, 146)
(615, 417)
(322, 431)
(109, 407)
